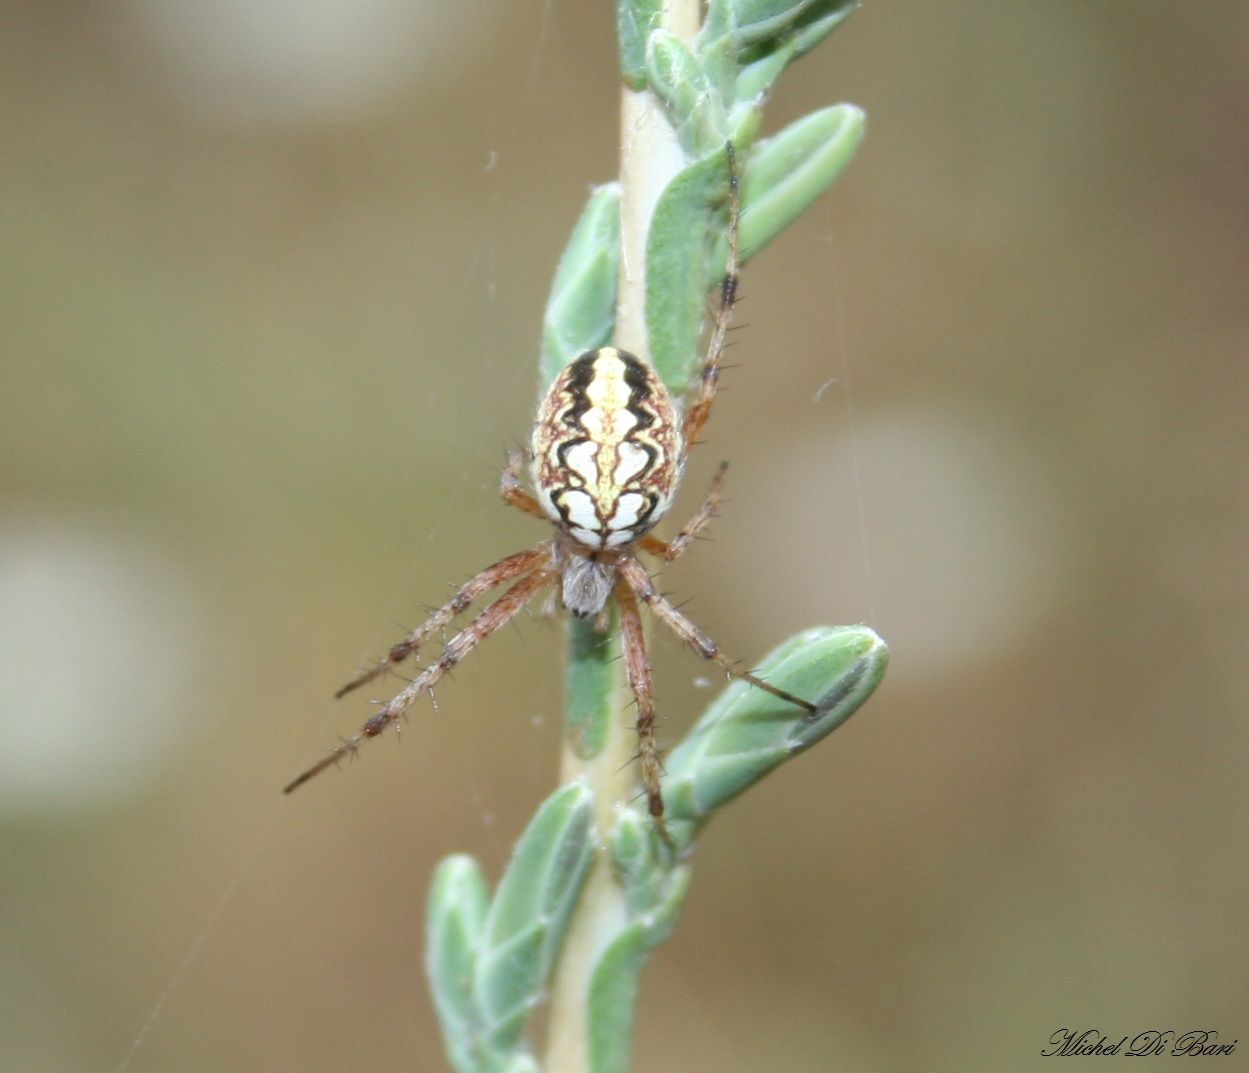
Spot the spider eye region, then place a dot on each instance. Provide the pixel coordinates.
(607, 449)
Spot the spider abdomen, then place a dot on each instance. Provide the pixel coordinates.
(606, 449)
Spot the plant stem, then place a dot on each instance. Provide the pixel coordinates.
(650, 157)
(600, 912)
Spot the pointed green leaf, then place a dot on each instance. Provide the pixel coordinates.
(530, 912)
(820, 21)
(642, 862)
(488, 963)
(692, 103)
(635, 19)
(614, 983)
(756, 78)
(755, 23)
(510, 981)
(455, 922)
(788, 172)
(581, 310)
(677, 257)
(547, 863)
(747, 732)
(590, 684)
(612, 1001)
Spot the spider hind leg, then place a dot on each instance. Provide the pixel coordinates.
(468, 594)
(535, 571)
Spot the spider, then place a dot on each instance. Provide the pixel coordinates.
(608, 450)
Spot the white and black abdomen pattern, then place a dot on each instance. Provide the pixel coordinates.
(606, 449)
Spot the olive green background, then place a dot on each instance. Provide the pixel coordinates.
(267, 328)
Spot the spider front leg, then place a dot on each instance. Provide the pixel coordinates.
(501, 572)
(638, 670)
(709, 379)
(634, 574)
(493, 618)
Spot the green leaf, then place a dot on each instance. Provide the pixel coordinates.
(677, 257)
(635, 19)
(747, 732)
(753, 23)
(510, 980)
(546, 863)
(820, 21)
(531, 910)
(788, 172)
(590, 684)
(783, 176)
(635, 858)
(488, 963)
(693, 104)
(581, 310)
(754, 40)
(455, 922)
(642, 863)
(756, 78)
(613, 983)
(612, 999)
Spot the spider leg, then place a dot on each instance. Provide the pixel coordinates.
(638, 670)
(513, 494)
(710, 508)
(493, 618)
(492, 577)
(634, 574)
(696, 416)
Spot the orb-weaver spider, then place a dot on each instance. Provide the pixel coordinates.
(608, 450)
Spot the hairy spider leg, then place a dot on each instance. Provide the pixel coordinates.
(502, 571)
(512, 491)
(491, 578)
(493, 618)
(635, 574)
(669, 550)
(638, 670)
(697, 414)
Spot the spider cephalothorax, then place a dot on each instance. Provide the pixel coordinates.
(607, 454)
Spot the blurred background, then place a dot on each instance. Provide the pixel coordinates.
(273, 275)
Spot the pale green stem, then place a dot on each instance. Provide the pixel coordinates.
(650, 157)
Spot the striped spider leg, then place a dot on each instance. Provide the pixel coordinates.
(606, 458)
(534, 569)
